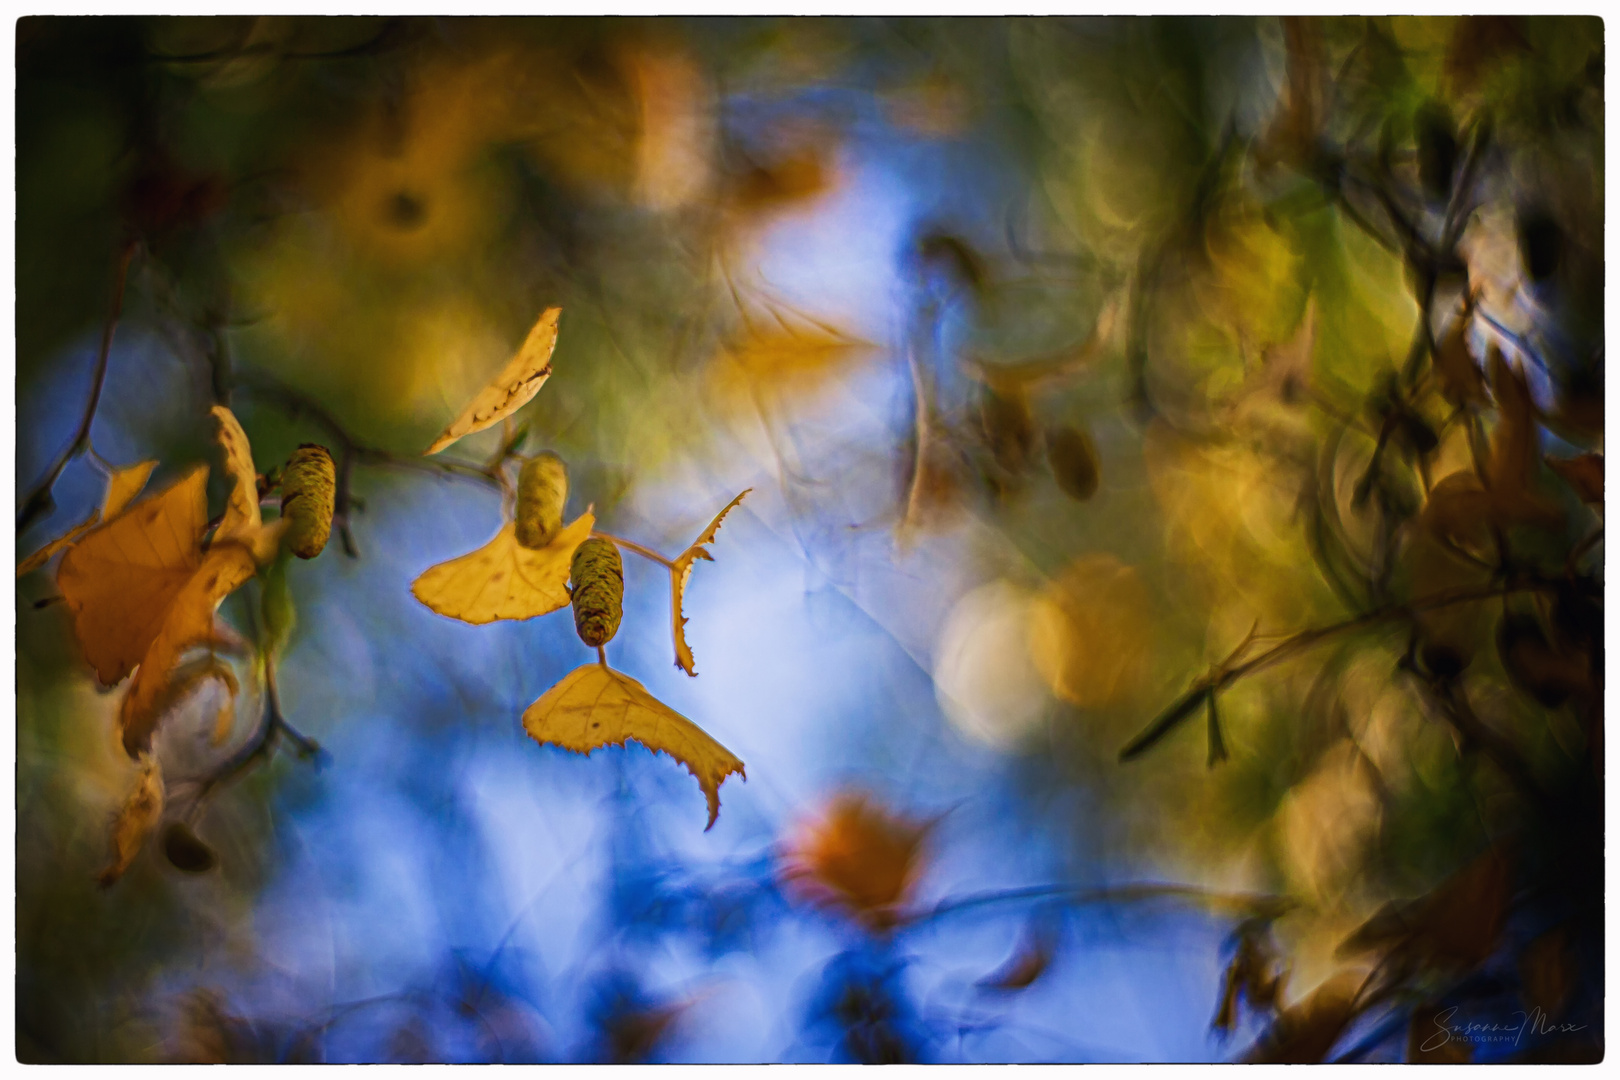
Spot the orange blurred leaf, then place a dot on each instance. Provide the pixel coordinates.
(857, 858)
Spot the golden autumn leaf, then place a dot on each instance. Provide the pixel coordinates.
(136, 819)
(122, 487)
(594, 706)
(503, 579)
(189, 621)
(857, 858)
(513, 388)
(681, 572)
(120, 580)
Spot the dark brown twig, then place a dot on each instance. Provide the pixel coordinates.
(39, 500)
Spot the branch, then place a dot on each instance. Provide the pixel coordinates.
(39, 501)
(1248, 904)
(1224, 675)
(350, 451)
(644, 552)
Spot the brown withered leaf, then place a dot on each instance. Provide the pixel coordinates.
(503, 579)
(594, 706)
(1304, 1034)
(512, 388)
(122, 487)
(857, 858)
(1584, 474)
(136, 819)
(1516, 452)
(681, 572)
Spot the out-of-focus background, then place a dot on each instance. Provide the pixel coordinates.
(1081, 369)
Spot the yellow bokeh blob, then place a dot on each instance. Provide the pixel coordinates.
(1091, 632)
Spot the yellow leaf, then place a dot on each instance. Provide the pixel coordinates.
(680, 573)
(140, 813)
(594, 706)
(242, 504)
(189, 621)
(120, 580)
(503, 579)
(518, 382)
(122, 487)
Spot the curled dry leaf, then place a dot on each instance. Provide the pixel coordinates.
(681, 572)
(242, 504)
(142, 590)
(594, 706)
(503, 579)
(857, 858)
(122, 487)
(188, 622)
(136, 819)
(513, 388)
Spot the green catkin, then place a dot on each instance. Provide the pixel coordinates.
(598, 578)
(308, 487)
(542, 492)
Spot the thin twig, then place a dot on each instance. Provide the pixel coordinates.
(644, 552)
(39, 501)
(1248, 903)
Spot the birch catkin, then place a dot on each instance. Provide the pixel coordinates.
(541, 494)
(308, 486)
(598, 577)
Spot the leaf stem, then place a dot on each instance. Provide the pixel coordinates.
(644, 552)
